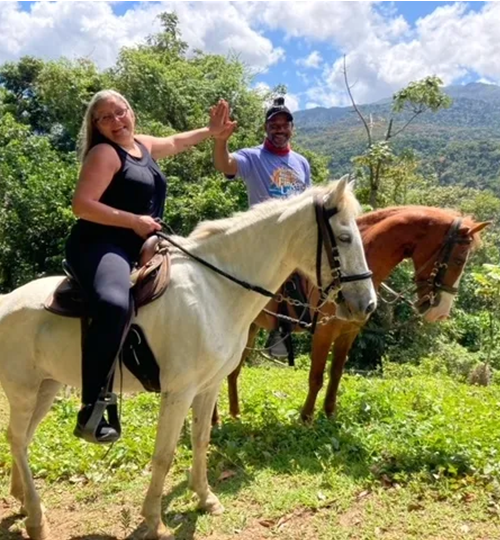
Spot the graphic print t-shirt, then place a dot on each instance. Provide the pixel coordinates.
(268, 175)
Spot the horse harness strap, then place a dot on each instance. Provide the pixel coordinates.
(326, 238)
(438, 272)
(244, 284)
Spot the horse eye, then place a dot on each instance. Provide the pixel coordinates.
(346, 238)
(459, 261)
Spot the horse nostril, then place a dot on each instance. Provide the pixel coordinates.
(370, 308)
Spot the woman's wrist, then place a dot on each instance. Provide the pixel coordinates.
(133, 220)
(209, 130)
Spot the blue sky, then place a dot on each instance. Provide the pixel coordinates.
(300, 44)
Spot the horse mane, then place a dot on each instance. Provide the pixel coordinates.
(434, 214)
(346, 203)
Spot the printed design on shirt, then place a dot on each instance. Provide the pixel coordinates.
(285, 182)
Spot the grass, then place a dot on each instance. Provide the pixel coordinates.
(409, 455)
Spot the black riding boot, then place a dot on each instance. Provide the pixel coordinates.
(91, 424)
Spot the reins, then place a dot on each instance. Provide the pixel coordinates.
(255, 288)
(325, 239)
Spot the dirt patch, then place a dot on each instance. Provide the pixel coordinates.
(74, 521)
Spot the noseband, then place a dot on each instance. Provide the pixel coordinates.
(326, 239)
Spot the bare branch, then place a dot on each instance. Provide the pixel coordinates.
(388, 134)
(368, 132)
(406, 125)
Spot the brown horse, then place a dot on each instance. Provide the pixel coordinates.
(438, 242)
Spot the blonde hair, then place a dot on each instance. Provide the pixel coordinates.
(89, 135)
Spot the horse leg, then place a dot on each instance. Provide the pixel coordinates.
(31, 405)
(232, 380)
(45, 397)
(202, 405)
(215, 415)
(341, 349)
(322, 341)
(173, 411)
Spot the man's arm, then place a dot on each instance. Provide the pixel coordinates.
(223, 161)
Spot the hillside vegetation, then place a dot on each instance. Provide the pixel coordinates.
(460, 145)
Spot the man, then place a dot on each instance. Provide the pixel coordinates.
(269, 170)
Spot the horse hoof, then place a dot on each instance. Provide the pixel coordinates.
(307, 419)
(159, 533)
(38, 532)
(165, 536)
(212, 506)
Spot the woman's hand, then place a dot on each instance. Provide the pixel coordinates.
(145, 226)
(220, 126)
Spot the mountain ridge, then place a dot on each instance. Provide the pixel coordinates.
(461, 144)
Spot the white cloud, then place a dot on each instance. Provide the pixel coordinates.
(303, 77)
(383, 52)
(263, 88)
(92, 30)
(292, 101)
(312, 61)
(387, 54)
(485, 81)
(344, 25)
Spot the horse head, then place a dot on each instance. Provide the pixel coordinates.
(342, 274)
(439, 262)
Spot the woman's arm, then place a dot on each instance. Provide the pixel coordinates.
(98, 169)
(161, 147)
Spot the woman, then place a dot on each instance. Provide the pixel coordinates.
(120, 192)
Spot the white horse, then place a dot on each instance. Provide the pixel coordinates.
(197, 331)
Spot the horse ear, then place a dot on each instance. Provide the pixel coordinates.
(336, 192)
(478, 227)
(342, 185)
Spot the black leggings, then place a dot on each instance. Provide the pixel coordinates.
(103, 270)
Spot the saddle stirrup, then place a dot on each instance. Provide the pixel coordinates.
(105, 401)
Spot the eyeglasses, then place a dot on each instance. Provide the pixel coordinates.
(106, 119)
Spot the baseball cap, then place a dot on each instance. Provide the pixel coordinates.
(278, 107)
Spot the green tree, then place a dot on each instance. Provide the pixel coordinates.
(51, 97)
(410, 102)
(36, 184)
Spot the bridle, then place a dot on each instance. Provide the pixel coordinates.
(326, 239)
(435, 280)
(436, 277)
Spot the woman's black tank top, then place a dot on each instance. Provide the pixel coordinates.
(138, 187)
